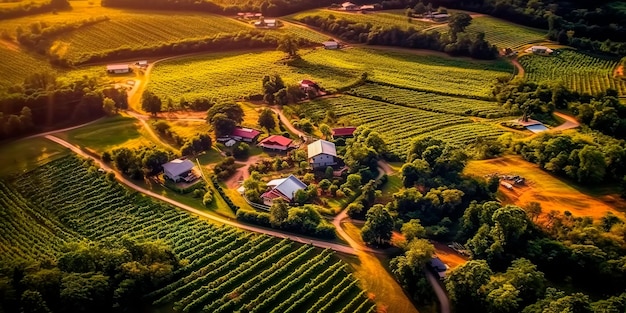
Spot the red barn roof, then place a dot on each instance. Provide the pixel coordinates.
(245, 133)
(276, 140)
(344, 131)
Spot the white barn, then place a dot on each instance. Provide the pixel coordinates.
(178, 170)
(322, 153)
(331, 45)
(118, 68)
(284, 188)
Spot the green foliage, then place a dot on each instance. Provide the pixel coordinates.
(267, 120)
(378, 226)
(151, 103)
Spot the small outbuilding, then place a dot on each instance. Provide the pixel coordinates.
(331, 45)
(349, 6)
(142, 64)
(321, 154)
(266, 23)
(118, 68)
(343, 131)
(244, 134)
(541, 50)
(179, 170)
(276, 142)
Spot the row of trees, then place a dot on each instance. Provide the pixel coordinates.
(30, 8)
(88, 277)
(456, 42)
(138, 163)
(43, 101)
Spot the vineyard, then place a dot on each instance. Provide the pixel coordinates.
(505, 34)
(386, 19)
(579, 71)
(139, 30)
(228, 270)
(240, 74)
(400, 125)
(428, 101)
(17, 65)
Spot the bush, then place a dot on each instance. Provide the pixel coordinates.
(197, 193)
(207, 199)
(106, 157)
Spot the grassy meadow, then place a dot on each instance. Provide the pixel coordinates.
(576, 70)
(383, 19)
(27, 154)
(505, 34)
(551, 192)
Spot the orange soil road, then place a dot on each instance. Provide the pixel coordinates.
(551, 192)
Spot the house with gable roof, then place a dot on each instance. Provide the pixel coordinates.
(321, 154)
(284, 188)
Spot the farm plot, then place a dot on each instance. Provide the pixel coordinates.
(382, 19)
(141, 30)
(579, 71)
(228, 270)
(400, 125)
(428, 101)
(505, 34)
(16, 65)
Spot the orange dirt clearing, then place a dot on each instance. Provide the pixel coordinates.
(551, 192)
(449, 256)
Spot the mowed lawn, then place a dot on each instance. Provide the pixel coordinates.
(551, 192)
(110, 133)
(24, 155)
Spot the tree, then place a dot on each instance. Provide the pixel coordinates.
(266, 119)
(458, 22)
(413, 230)
(419, 8)
(326, 131)
(108, 106)
(33, 302)
(279, 212)
(592, 168)
(378, 226)
(464, 284)
(222, 125)
(153, 160)
(289, 45)
(232, 110)
(151, 102)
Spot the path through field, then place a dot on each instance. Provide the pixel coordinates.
(570, 122)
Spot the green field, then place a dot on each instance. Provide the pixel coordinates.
(579, 71)
(33, 152)
(428, 101)
(240, 75)
(400, 125)
(382, 19)
(228, 269)
(17, 65)
(505, 34)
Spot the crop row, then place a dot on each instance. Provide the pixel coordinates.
(75, 202)
(576, 70)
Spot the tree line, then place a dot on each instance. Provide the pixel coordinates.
(88, 277)
(31, 8)
(43, 101)
(587, 25)
(456, 42)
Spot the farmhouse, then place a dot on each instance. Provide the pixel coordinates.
(331, 45)
(440, 17)
(118, 68)
(349, 6)
(541, 50)
(310, 87)
(322, 153)
(343, 131)
(244, 134)
(179, 170)
(142, 64)
(284, 188)
(368, 7)
(530, 124)
(276, 142)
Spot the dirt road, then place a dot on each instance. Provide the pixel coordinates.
(442, 297)
(570, 122)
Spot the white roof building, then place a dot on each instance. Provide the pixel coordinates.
(175, 169)
(284, 188)
(322, 153)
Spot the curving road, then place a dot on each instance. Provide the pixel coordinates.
(444, 302)
(570, 122)
(130, 184)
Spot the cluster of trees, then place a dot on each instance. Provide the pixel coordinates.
(530, 99)
(456, 42)
(196, 144)
(268, 7)
(55, 103)
(363, 151)
(576, 157)
(409, 267)
(225, 168)
(88, 277)
(30, 8)
(586, 254)
(39, 36)
(602, 112)
(15, 125)
(224, 117)
(276, 92)
(305, 220)
(138, 163)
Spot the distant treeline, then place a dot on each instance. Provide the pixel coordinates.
(268, 8)
(30, 8)
(591, 25)
(463, 45)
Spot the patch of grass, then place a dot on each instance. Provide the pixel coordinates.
(393, 185)
(24, 155)
(382, 19)
(505, 34)
(551, 192)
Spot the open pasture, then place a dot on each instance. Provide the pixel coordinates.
(551, 192)
(505, 34)
(576, 70)
(428, 101)
(400, 125)
(227, 269)
(382, 19)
